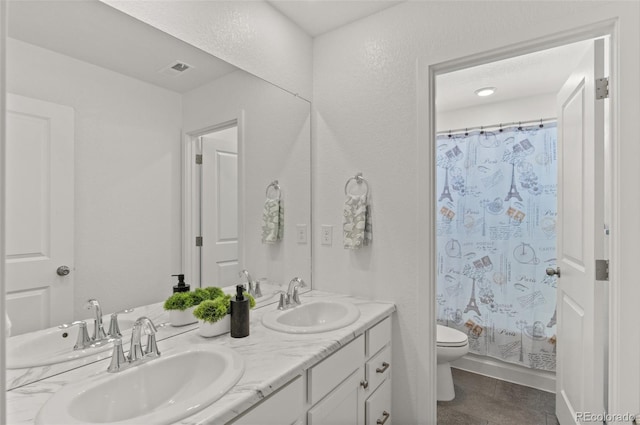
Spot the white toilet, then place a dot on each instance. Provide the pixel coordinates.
(452, 344)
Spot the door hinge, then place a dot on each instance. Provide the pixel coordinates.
(198, 240)
(199, 159)
(602, 88)
(602, 269)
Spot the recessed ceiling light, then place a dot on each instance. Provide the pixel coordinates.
(485, 91)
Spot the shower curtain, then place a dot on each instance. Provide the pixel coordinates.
(496, 226)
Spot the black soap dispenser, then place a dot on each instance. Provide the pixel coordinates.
(239, 314)
(181, 286)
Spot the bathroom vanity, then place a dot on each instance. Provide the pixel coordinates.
(340, 376)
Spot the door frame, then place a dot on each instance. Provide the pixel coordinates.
(426, 147)
(191, 207)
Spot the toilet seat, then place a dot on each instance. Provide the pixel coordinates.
(448, 337)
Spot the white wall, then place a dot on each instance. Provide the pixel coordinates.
(276, 146)
(127, 172)
(521, 109)
(366, 119)
(251, 35)
(3, 31)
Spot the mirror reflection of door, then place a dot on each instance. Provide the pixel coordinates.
(219, 207)
(40, 211)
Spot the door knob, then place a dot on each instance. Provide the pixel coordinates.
(551, 271)
(63, 270)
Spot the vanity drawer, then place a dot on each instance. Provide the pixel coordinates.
(377, 408)
(284, 407)
(378, 368)
(378, 336)
(327, 375)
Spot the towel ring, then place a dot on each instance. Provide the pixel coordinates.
(274, 184)
(359, 179)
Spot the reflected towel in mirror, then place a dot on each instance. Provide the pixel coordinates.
(272, 221)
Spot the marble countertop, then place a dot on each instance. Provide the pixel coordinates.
(271, 360)
(16, 378)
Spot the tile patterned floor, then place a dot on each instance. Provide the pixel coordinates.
(481, 400)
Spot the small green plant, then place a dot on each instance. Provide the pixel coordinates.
(213, 310)
(214, 292)
(179, 301)
(183, 300)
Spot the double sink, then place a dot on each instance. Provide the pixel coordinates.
(182, 381)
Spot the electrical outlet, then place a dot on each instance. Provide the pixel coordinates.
(326, 235)
(302, 233)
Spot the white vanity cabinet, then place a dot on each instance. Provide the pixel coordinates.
(358, 381)
(284, 407)
(352, 386)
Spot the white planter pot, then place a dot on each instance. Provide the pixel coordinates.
(220, 327)
(182, 318)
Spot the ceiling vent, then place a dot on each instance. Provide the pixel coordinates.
(175, 68)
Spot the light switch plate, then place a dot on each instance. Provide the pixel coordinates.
(326, 235)
(301, 233)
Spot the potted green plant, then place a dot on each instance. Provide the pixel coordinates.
(181, 305)
(214, 315)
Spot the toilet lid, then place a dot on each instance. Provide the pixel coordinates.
(448, 337)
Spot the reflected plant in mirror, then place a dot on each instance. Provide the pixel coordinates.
(132, 156)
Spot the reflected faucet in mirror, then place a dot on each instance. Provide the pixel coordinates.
(253, 287)
(98, 330)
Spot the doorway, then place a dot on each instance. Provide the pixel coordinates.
(211, 205)
(531, 107)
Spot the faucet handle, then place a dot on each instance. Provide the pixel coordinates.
(284, 302)
(257, 291)
(83, 341)
(151, 349)
(114, 328)
(118, 360)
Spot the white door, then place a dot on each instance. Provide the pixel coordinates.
(581, 341)
(220, 208)
(39, 208)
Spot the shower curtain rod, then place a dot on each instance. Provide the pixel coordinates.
(540, 121)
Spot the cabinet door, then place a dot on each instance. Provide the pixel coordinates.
(378, 406)
(341, 406)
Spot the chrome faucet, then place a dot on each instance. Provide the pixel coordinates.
(250, 285)
(291, 298)
(114, 327)
(136, 354)
(292, 291)
(98, 331)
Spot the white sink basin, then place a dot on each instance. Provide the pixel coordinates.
(161, 391)
(54, 345)
(312, 317)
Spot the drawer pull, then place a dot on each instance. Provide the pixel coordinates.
(384, 368)
(385, 416)
(364, 384)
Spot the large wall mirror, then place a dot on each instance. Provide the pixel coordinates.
(107, 117)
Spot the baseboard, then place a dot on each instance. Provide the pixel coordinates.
(540, 379)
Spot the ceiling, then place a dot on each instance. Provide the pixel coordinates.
(101, 35)
(96, 33)
(316, 17)
(537, 73)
